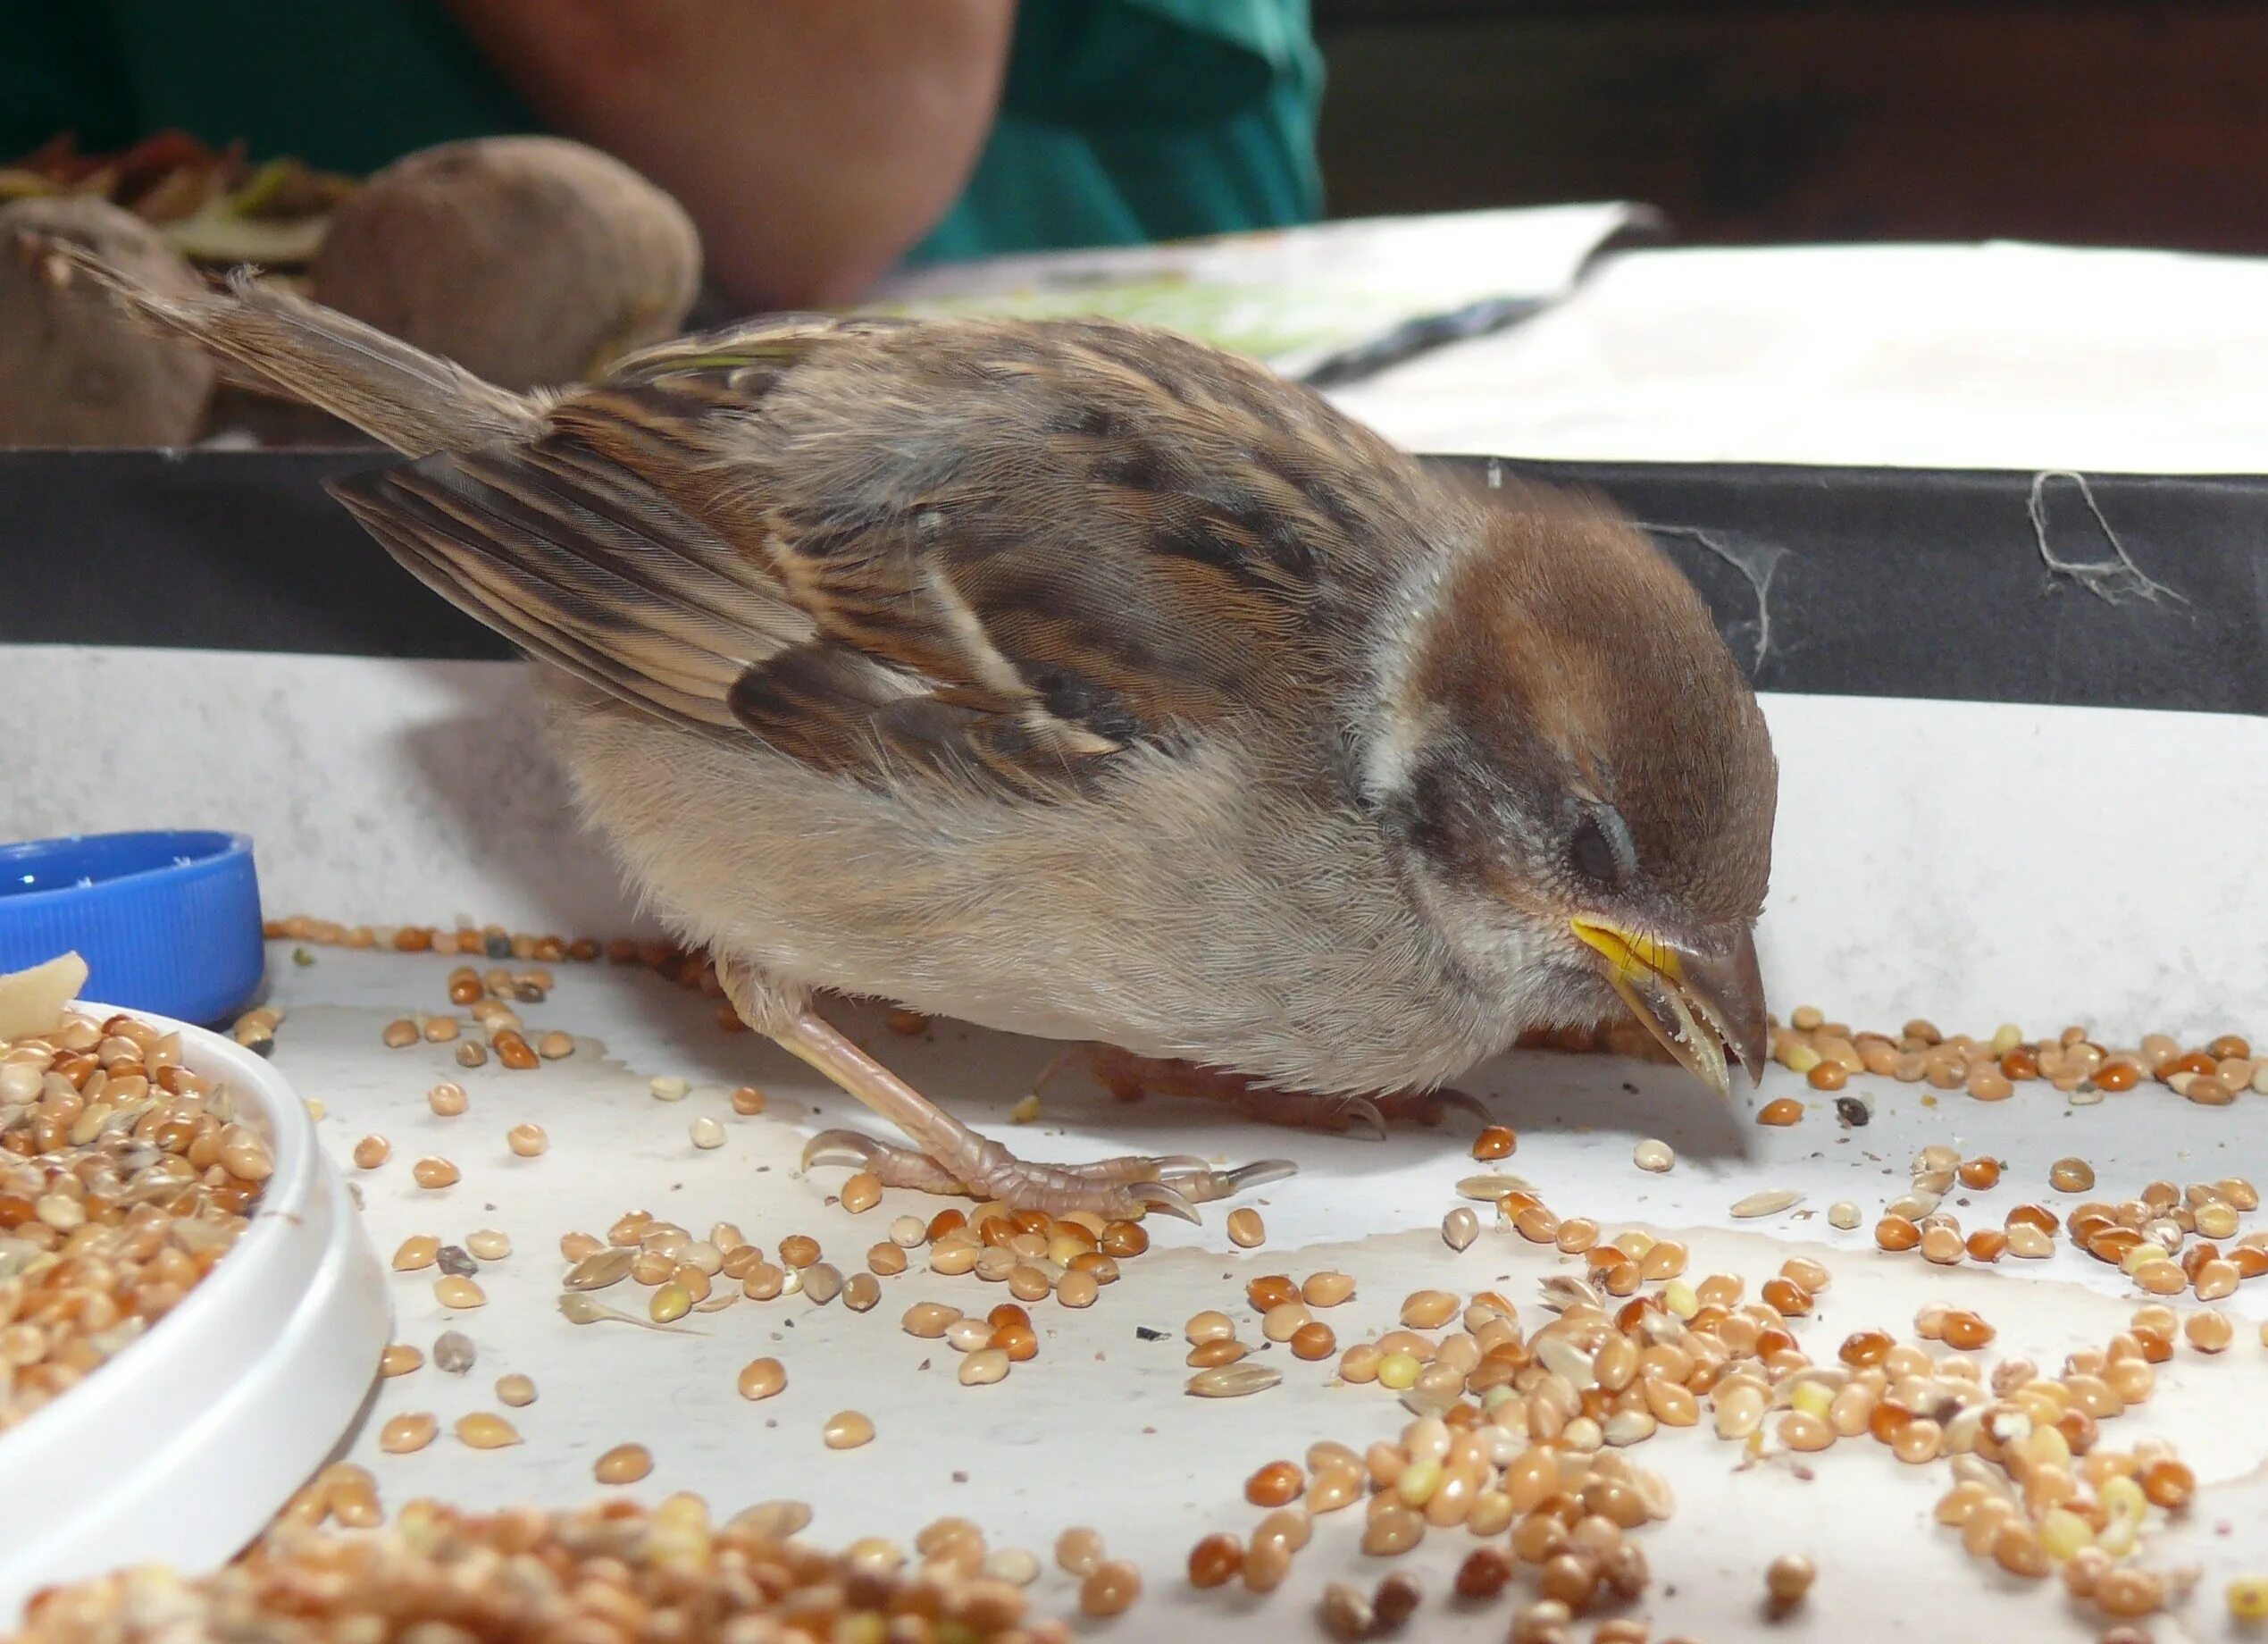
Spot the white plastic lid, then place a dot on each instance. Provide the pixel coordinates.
(181, 1449)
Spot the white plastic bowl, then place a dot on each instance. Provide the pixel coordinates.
(180, 1450)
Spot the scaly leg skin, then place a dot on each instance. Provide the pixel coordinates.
(1128, 1076)
(948, 1157)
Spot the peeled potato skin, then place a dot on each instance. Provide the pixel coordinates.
(73, 369)
(528, 260)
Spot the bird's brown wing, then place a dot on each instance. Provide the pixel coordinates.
(999, 550)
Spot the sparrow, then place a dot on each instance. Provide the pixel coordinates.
(1076, 679)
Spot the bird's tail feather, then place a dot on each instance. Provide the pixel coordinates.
(268, 338)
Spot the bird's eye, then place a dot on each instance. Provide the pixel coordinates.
(1593, 854)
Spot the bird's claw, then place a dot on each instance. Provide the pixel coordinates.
(839, 1148)
(1161, 1198)
(1363, 1117)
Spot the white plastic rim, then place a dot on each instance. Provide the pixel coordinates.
(180, 1450)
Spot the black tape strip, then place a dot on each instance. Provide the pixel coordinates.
(2105, 590)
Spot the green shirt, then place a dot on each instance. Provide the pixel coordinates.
(1121, 121)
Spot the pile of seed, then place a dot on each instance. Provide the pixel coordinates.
(613, 1571)
(2169, 1239)
(1034, 1256)
(690, 970)
(1989, 1069)
(1525, 1434)
(123, 1179)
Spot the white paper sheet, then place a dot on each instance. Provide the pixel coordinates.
(1996, 356)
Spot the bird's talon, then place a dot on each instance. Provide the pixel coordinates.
(1257, 1174)
(840, 1148)
(1362, 1116)
(1464, 1101)
(1160, 1199)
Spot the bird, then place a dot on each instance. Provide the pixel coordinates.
(1079, 679)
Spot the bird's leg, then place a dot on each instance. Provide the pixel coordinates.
(948, 1156)
(1128, 1076)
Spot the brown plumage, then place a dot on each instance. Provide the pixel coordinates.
(1080, 679)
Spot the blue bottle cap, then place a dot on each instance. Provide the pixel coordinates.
(167, 922)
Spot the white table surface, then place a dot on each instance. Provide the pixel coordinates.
(1956, 861)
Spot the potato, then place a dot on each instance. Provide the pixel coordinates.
(73, 369)
(528, 260)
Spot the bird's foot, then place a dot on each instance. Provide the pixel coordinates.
(1128, 1076)
(1127, 1185)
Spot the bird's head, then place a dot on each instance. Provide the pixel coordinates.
(1577, 780)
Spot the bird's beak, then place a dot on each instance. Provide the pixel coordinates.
(1701, 998)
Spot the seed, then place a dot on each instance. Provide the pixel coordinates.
(1800, 1429)
(2158, 1276)
(1980, 1173)
(1896, 1233)
(861, 1292)
(1788, 1578)
(1460, 1228)
(1078, 1289)
(1109, 1589)
(1236, 1380)
(1078, 1551)
(434, 1173)
(1215, 1560)
(489, 1243)
(1285, 1321)
(1651, 1154)
(399, 1033)
(1575, 1235)
(1842, 1214)
(822, 1283)
(515, 1391)
(1785, 1110)
(984, 1367)
(1275, 1484)
(1326, 1289)
(2169, 1484)
(799, 1250)
(2208, 1331)
(1965, 1331)
(1246, 1230)
(455, 1291)
(601, 1268)
(1426, 1310)
(526, 1140)
(2126, 1592)
(484, 1429)
(861, 1192)
(1484, 1574)
(420, 1250)
(847, 1430)
(2070, 1176)
(669, 1087)
(1941, 1244)
(1768, 1203)
(447, 1099)
(1495, 1141)
(453, 1351)
(404, 1433)
(1121, 1239)
(372, 1151)
(399, 1359)
(761, 1378)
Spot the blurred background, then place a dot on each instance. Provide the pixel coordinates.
(1748, 121)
